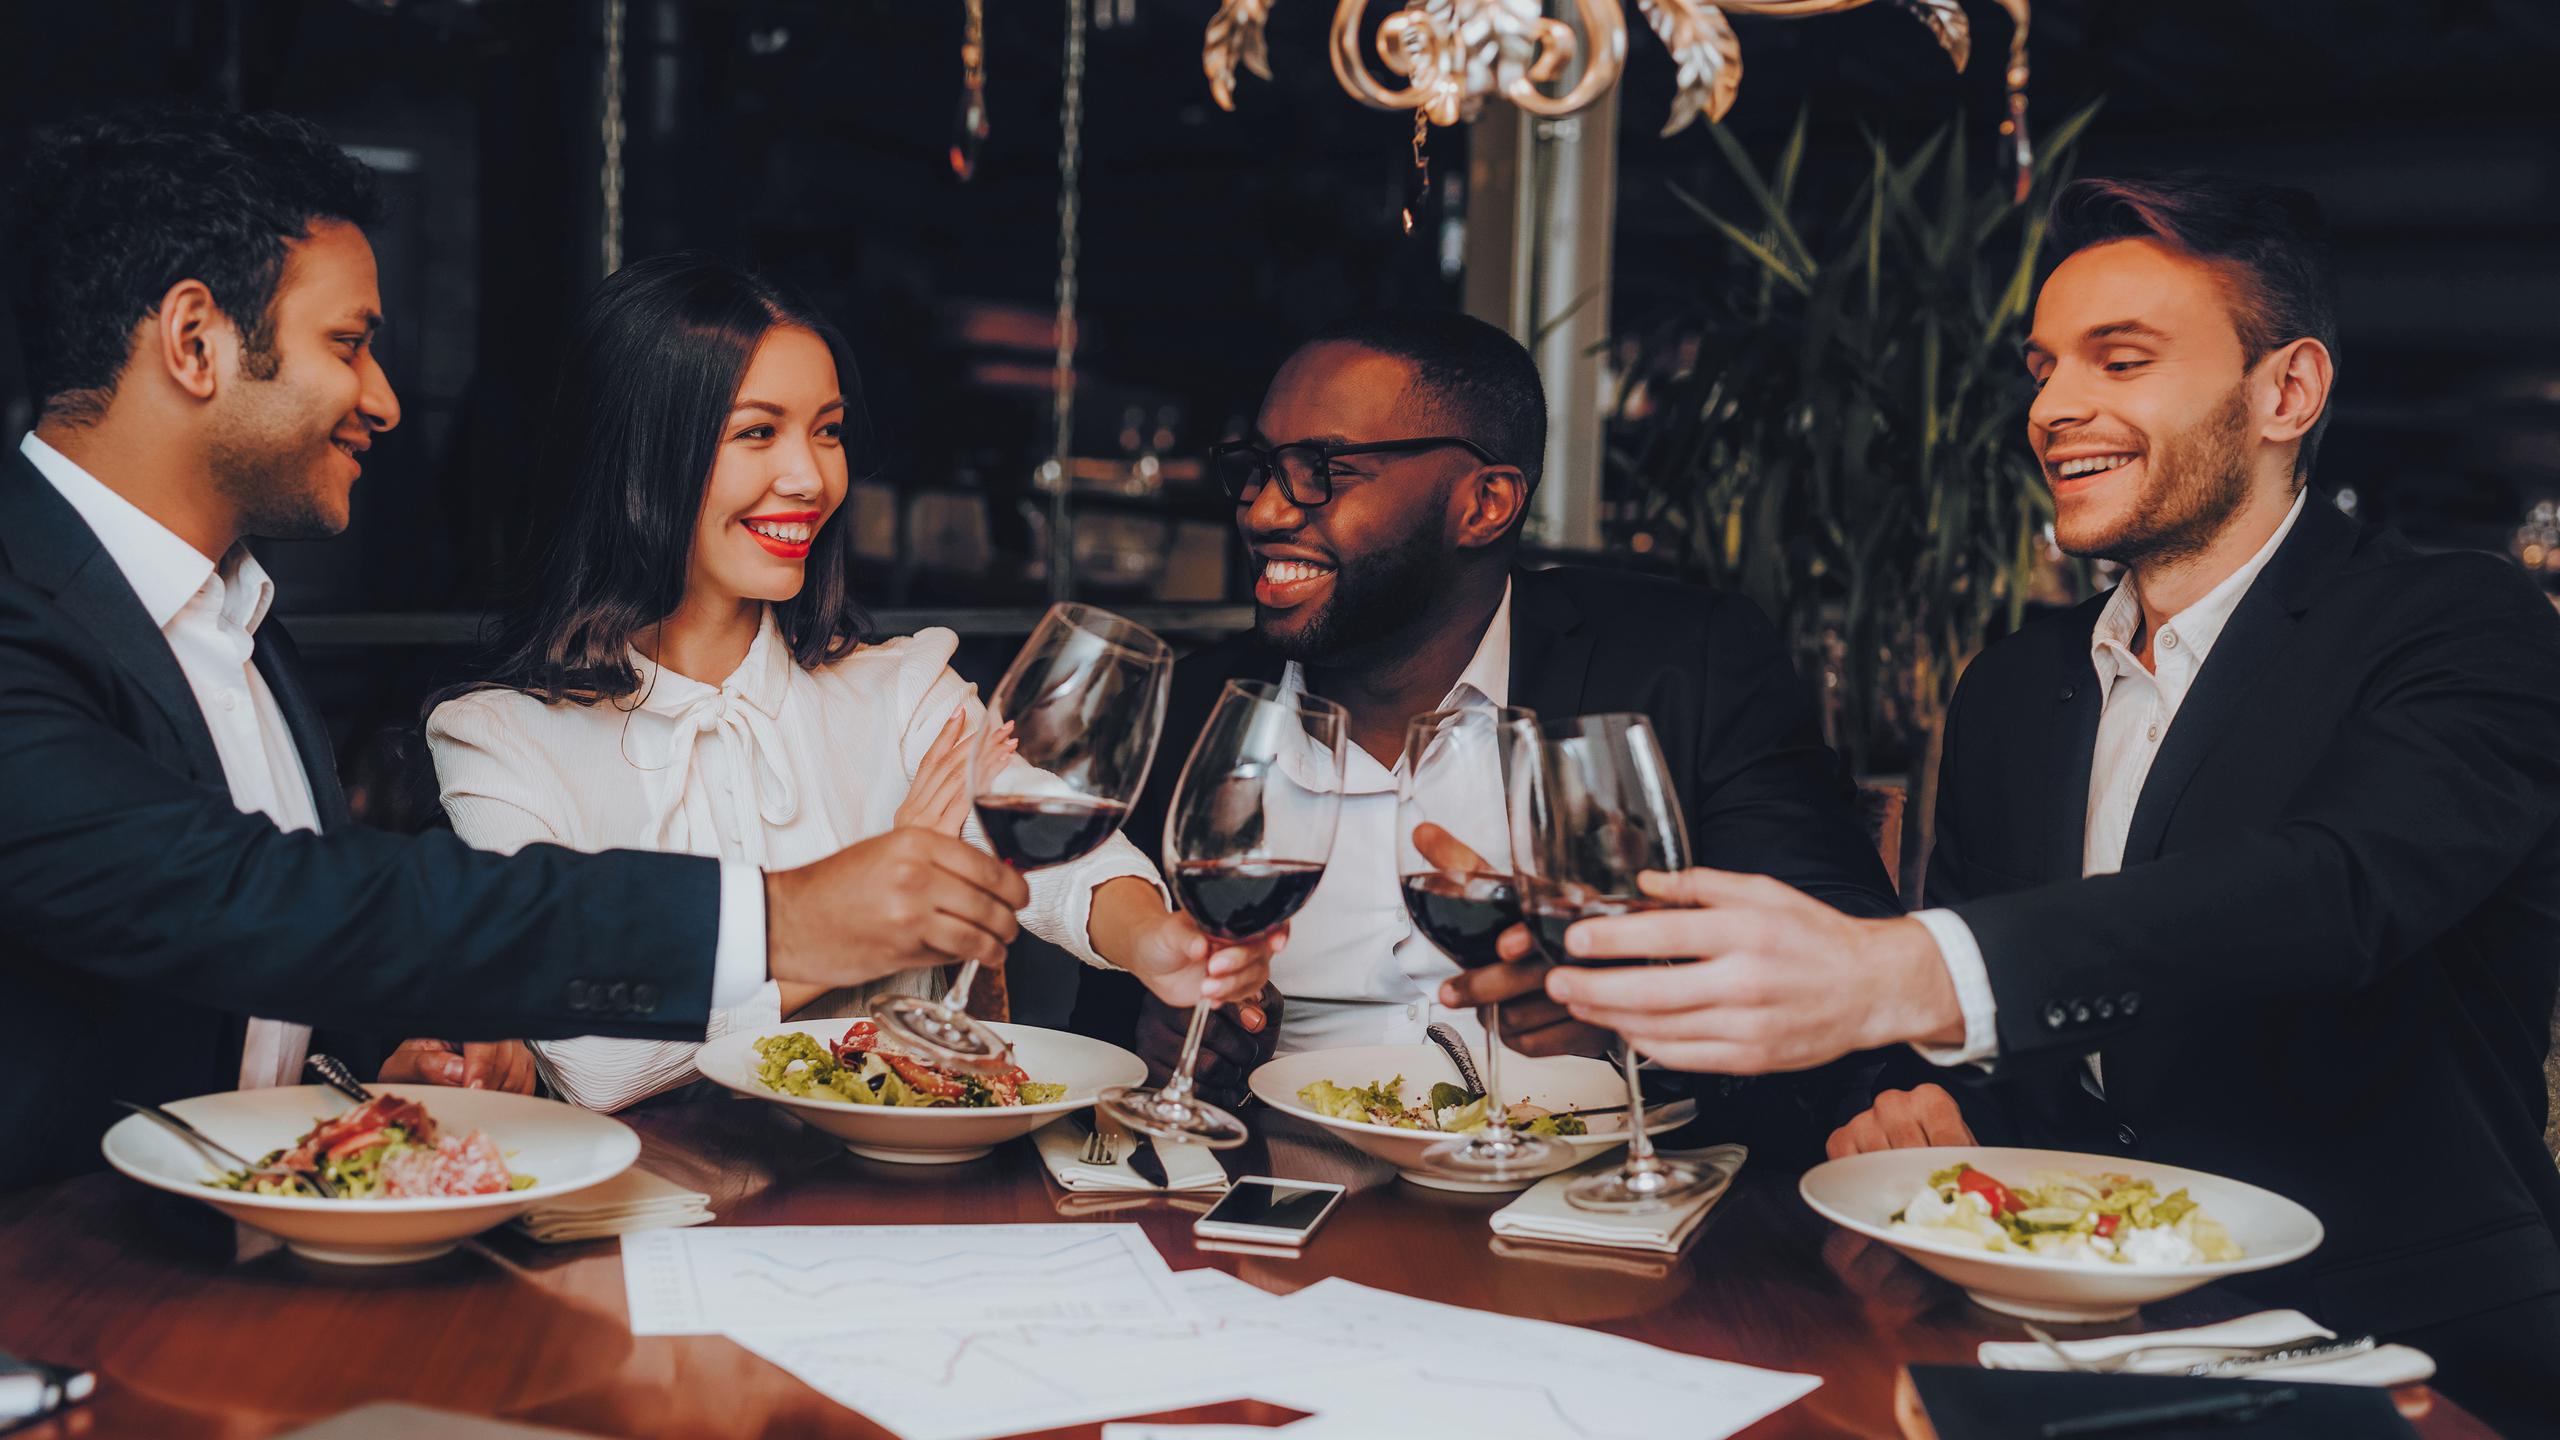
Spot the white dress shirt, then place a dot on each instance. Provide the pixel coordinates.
(2138, 703)
(209, 614)
(1357, 972)
(774, 767)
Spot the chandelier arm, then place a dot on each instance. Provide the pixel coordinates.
(1353, 71)
(1604, 23)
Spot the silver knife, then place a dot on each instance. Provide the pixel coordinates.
(1144, 1160)
(2297, 1355)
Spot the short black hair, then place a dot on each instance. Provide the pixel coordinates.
(1480, 379)
(114, 210)
(2270, 242)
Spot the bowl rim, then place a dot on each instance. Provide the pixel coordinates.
(2030, 1264)
(742, 1042)
(626, 1144)
(1288, 1104)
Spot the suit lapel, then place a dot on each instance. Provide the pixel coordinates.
(280, 662)
(2260, 626)
(52, 548)
(2075, 730)
(1550, 647)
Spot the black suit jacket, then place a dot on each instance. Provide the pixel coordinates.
(1759, 789)
(142, 917)
(2328, 964)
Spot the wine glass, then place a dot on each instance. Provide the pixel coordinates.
(1592, 807)
(1245, 844)
(1086, 700)
(1453, 863)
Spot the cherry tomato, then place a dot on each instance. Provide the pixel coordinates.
(1993, 1193)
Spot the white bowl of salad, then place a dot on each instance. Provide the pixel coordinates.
(2051, 1235)
(1397, 1101)
(836, 1076)
(416, 1172)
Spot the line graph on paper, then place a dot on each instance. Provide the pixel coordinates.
(853, 1277)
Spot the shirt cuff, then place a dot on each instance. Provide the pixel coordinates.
(738, 964)
(1963, 957)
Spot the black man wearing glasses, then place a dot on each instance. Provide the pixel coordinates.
(1381, 494)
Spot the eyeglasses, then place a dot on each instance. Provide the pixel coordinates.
(1306, 469)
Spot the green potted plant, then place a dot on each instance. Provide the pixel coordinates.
(1837, 429)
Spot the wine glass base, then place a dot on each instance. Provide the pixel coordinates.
(1637, 1190)
(1180, 1119)
(1489, 1157)
(930, 1031)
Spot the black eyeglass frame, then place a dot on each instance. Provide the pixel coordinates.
(1320, 471)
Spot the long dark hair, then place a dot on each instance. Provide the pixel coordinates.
(653, 367)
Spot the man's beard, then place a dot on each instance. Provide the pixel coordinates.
(1373, 601)
(2198, 480)
(270, 469)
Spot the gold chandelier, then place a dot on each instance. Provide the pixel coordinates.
(1453, 55)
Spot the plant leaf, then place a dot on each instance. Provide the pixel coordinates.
(1749, 244)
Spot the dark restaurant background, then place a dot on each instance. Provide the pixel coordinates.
(811, 136)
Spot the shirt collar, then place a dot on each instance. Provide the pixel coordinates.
(2201, 623)
(761, 679)
(1488, 673)
(164, 571)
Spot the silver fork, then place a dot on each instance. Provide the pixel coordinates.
(334, 1070)
(238, 1161)
(1101, 1147)
(2219, 1358)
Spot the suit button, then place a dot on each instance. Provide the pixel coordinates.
(2106, 1008)
(2126, 1137)
(581, 995)
(2055, 1017)
(2066, 694)
(2131, 1002)
(644, 998)
(617, 996)
(2080, 1013)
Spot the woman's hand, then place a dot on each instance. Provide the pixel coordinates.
(1175, 959)
(480, 1065)
(938, 798)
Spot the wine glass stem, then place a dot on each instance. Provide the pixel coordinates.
(1497, 1114)
(1639, 1143)
(958, 999)
(1179, 1086)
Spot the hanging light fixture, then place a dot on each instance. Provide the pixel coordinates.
(1451, 56)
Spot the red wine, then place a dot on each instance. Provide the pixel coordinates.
(1032, 832)
(1549, 917)
(1462, 914)
(1237, 900)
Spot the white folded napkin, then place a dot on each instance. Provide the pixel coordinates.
(2386, 1365)
(632, 1200)
(1543, 1214)
(1186, 1167)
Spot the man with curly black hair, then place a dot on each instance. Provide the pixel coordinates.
(199, 306)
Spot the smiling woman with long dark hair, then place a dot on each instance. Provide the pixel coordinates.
(690, 670)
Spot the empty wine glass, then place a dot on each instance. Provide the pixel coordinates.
(1245, 844)
(1086, 701)
(1592, 807)
(1453, 863)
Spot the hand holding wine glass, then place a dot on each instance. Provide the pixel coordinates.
(1083, 703)
(1246, 842)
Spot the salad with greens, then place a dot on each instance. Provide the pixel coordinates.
(858, 1070)
(385, 1149)
(2064, 1215)
(1448, 1107)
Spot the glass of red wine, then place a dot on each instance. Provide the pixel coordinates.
(1086, 701)
(1245, 844)
(1592, 807)
(1453, 862)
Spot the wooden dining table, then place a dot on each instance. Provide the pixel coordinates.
(200, 1328)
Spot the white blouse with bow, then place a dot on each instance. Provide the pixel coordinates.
(776, 766)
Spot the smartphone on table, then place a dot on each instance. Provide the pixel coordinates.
(1263, 1210)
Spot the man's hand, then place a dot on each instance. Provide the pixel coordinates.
(480, 1065)
(1532, 1023)
(1238, 1038)
(1903, 1120)
(1785, 982)
(894, 902)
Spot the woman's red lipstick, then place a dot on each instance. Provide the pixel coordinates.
(784, 549)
